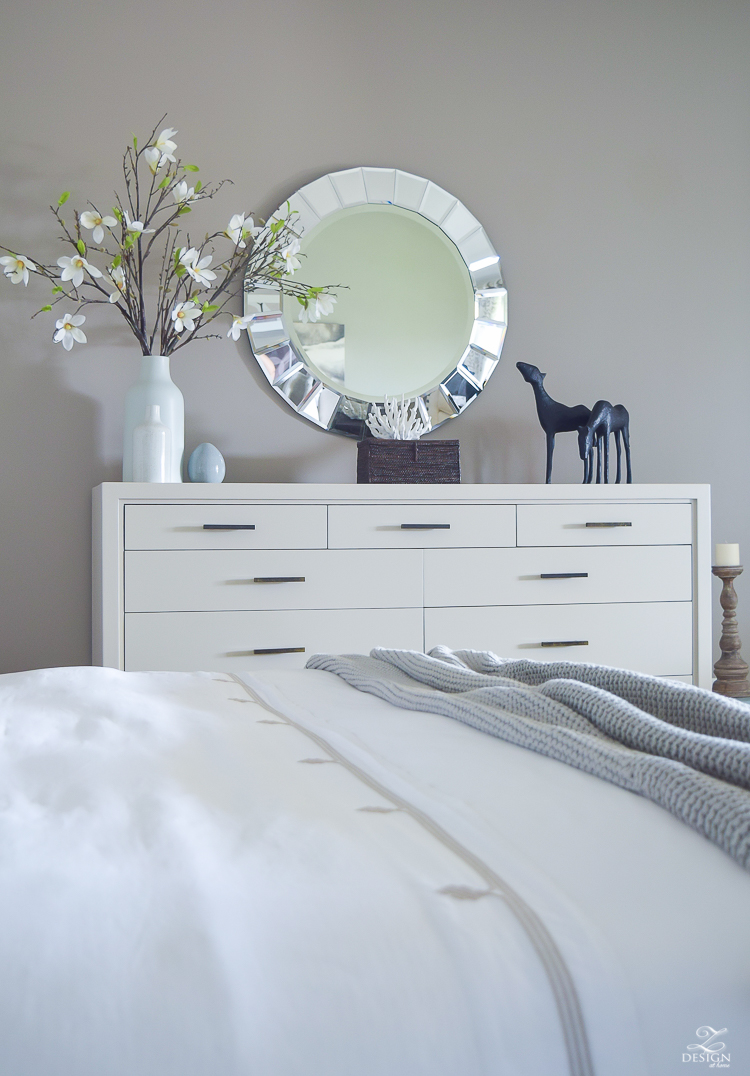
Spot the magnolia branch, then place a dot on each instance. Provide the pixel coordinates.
(189, 288)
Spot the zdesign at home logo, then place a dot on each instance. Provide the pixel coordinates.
(709, 1051)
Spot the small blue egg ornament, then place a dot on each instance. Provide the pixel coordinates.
(206, 464)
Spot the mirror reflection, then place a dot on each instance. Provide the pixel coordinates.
(404, 318)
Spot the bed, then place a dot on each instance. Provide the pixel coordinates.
(279, 874)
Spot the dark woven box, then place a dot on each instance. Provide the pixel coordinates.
(407, 461)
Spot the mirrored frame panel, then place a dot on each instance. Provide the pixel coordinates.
(285, 363)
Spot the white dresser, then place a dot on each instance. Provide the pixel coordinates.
(238, 576)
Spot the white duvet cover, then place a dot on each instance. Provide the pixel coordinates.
(200, 877)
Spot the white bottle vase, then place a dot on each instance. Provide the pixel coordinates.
(152, 444)
(155, 387)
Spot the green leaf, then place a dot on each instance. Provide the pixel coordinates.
(180, 269)
(208, 307)
(183, 210)
(116, 261)
(45, 309)
(81, 248)
(135, 143)
(63, 198)
(129, 241)
(164, 183)
(191, 167)
(198, 186)
(57, 290)
(118, 213)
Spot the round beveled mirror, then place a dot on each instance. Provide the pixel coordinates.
(421, 311)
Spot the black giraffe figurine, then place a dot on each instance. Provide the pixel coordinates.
(554, 417)
(604, 421)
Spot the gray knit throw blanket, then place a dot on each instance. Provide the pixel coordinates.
(684, 748)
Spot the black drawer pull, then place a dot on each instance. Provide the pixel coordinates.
(609, 524)
(229, 526)
(280, 650)
(568, 642)
(425, 526)
(279, 579)
(564, 575)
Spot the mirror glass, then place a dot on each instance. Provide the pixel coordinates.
(420, 312)
(403, 320)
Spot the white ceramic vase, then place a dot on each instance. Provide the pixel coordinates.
(152, 448)
(155, 387)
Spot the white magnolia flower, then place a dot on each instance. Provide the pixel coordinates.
(117, 275)
(235, 230)
(318, 307)
(239, 228)
(17, 268)
(238, 324)
(74, 268)
(93, 220)
(289, 255)
(185, 315)
(324, 304)
(136, 225)
(197, 267)
(166, 146)
(183, 195)
(153, 158)
(68, 331)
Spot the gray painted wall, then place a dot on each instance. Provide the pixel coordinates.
(604, 146)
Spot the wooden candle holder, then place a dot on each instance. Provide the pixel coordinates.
(731, 671)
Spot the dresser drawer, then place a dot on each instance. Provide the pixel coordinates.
(214, 579)
(226, 641)
(605, 524)
(649, 637)
(225, 526)
(516, 576)
(404, 526)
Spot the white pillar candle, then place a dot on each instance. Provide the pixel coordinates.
(727, 555)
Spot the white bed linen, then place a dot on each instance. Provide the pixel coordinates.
(651, 918)
(182, 893)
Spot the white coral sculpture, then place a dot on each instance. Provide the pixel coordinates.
(399, 420)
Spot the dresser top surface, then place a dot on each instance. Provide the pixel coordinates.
(186, 492)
